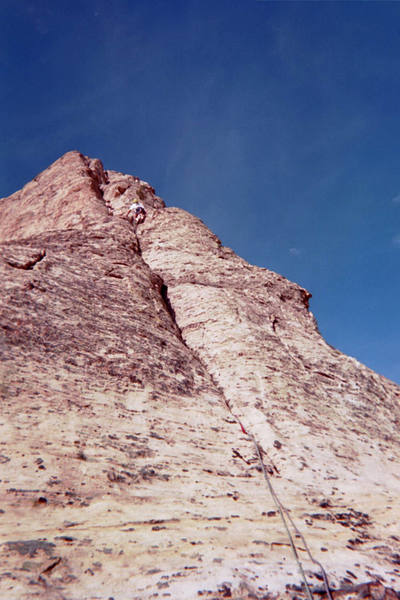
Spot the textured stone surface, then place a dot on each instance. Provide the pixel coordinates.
(126, 356)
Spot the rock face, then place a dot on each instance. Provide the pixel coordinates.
(141, 370)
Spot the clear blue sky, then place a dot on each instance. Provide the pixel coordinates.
(277, 123)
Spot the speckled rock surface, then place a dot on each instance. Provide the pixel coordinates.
(127, 357)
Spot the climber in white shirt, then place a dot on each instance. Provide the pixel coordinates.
(136, 212)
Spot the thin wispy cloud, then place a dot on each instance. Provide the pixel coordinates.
(396, 199)
(396, 240)
(295, 251)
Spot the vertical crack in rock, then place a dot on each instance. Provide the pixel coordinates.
(167, 303)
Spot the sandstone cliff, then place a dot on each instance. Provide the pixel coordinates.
(129, 360)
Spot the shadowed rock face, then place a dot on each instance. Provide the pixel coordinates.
(128, 357)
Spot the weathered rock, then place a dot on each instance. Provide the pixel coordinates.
(127, 358)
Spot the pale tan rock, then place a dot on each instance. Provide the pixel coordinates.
(329, 425)
(123, 472)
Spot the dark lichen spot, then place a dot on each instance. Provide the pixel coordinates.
(30, 547)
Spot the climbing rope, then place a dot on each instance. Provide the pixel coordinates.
(282, 514)
(324, 575)
(282, 509)
(285, 516)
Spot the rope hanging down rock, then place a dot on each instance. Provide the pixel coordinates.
(281, 512)
(284, 514)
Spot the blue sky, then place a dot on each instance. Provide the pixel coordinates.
(277, 123)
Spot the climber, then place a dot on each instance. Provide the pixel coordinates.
(136, 213)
